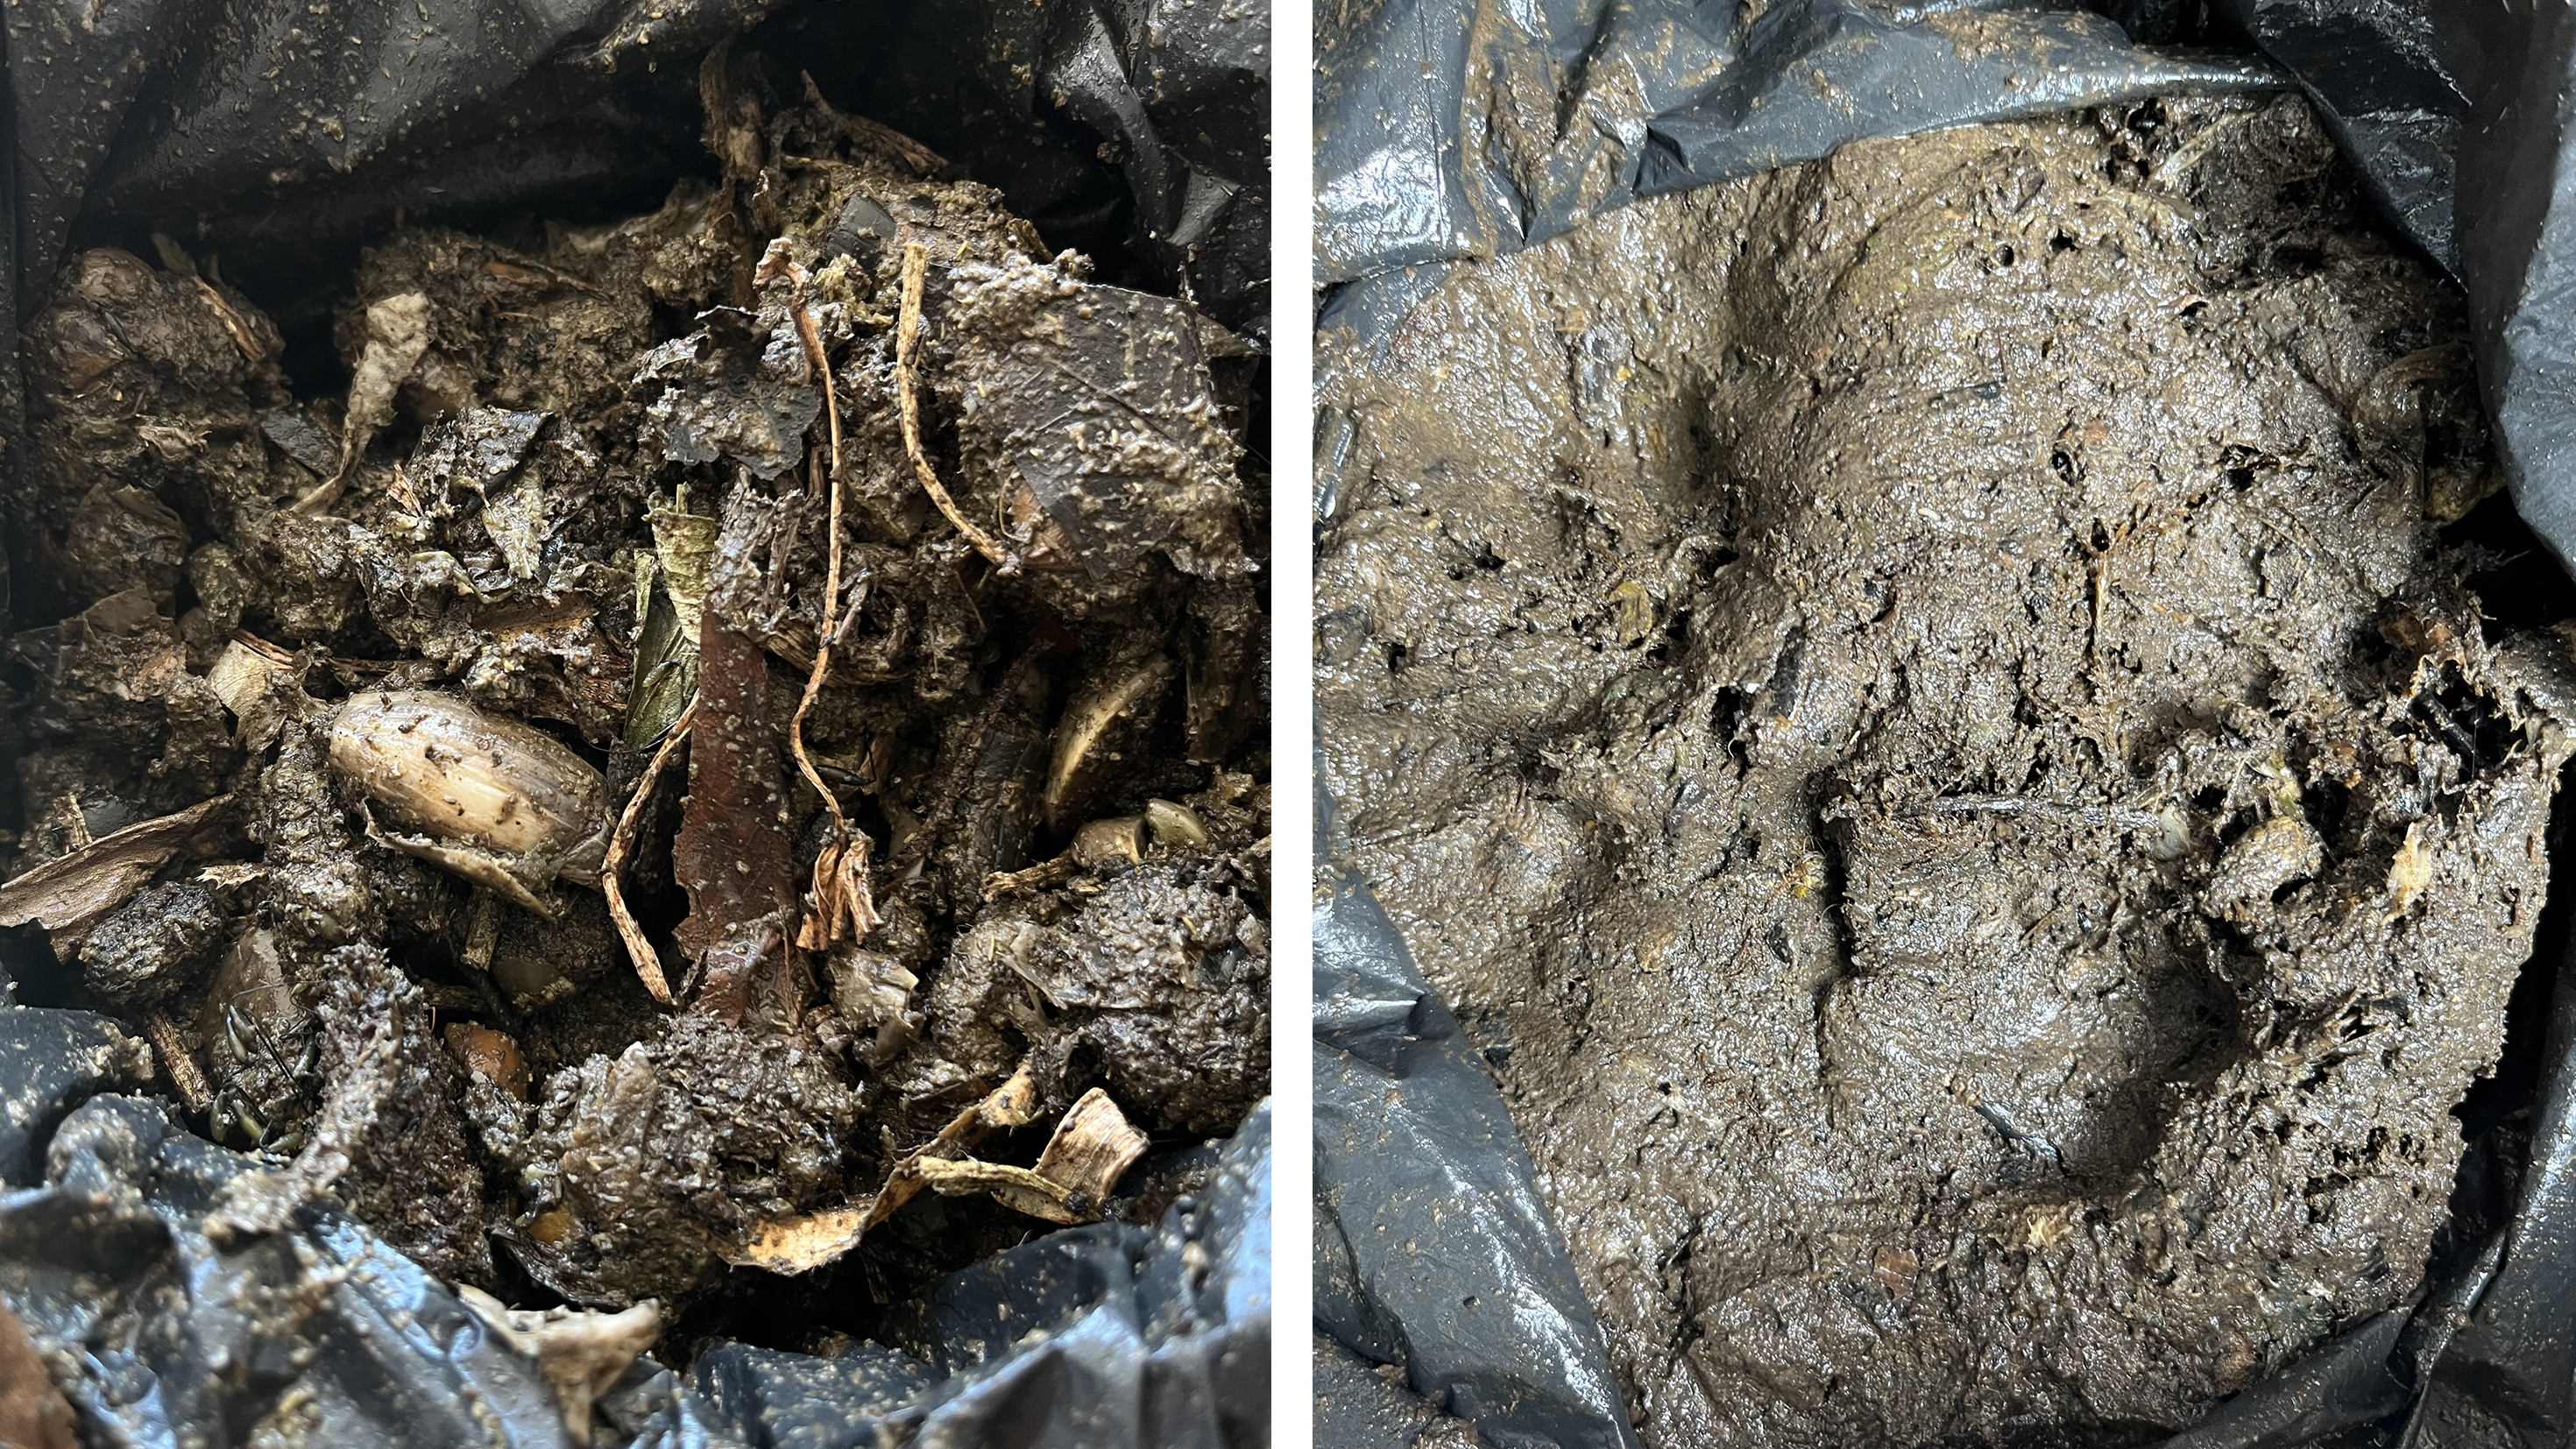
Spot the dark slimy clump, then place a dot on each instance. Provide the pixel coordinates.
(1917, 706)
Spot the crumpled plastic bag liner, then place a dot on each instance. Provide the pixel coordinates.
(1433, 1248)
(2458, 113)
(1097, 1336)
(1664, 95)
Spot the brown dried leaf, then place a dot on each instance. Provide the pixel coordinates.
(1092, 1148)
(732, 851)
(845, 907)
(1016, 1188)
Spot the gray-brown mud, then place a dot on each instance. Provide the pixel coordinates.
(1917, 707)
(287, 637)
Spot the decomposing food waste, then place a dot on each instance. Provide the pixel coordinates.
(2000, 831)
(732, 722)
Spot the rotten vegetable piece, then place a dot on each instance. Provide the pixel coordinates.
(2007, 837)
(490, 1055)
(499, 803)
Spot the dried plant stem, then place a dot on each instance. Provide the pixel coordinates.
(907, 342)
(822, 365)
(648, 962)
(177, 1061)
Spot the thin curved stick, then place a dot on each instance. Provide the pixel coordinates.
(648, 962)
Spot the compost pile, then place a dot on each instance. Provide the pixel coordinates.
(2001, 832)
(735, 720)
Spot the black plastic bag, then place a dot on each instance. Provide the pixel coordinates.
(1105, 1335)
(1433, 1247)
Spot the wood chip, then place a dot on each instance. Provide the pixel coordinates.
(69, 894)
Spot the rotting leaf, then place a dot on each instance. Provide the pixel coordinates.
(845, 909)
(1098, 401)
(731, 854)
(729, 392)
(516, 520)
(685, 543)
(674, 589)
(476, 451)
(1092, 1147)
(398, 333)
(70, 894)
(244, 673)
